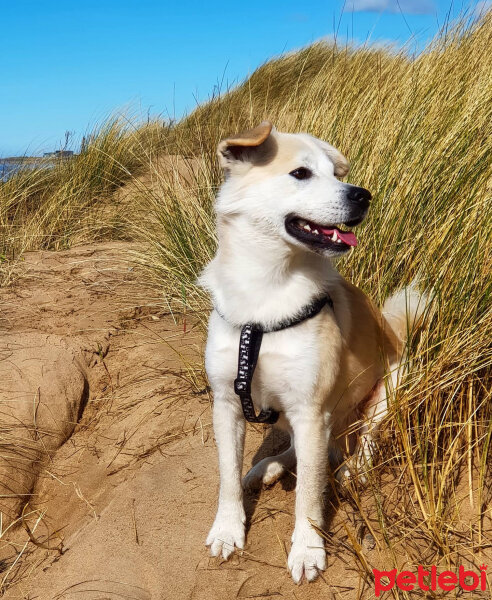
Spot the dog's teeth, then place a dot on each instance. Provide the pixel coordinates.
(301, 222)
(334, 236)
(316, 232)
(306, 227)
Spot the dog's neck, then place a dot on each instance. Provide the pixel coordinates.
(259, 278)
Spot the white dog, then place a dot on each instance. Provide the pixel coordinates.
(325, 349)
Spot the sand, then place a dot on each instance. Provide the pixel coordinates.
(113, 465)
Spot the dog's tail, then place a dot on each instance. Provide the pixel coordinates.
(404, 312)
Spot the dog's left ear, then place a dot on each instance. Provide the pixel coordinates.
(342, 165)
(241, 147)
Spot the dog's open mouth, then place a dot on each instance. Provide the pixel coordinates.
(326, 237)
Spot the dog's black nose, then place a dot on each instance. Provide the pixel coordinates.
(359, 195)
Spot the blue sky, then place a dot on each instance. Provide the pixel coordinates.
(67, 65)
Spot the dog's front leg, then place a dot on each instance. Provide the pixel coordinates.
(228, 529)
(307, 555)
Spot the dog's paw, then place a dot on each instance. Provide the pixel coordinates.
(267, 472)
(227, 533)
(352, 471)
(307, 556)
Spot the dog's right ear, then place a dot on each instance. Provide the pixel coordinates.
(242, 147)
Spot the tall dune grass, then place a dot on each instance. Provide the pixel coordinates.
(418, 134)
(57, 202)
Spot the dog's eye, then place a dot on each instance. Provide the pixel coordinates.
(301, 173)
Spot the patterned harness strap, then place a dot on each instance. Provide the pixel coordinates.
(249, 350)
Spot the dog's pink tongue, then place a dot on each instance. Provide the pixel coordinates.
(347, 237)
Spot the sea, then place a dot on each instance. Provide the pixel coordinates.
(7, 169)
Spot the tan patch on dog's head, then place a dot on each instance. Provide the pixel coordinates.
(264, 147)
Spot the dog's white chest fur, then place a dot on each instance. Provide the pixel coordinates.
(288, 369)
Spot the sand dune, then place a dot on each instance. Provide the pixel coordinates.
(120, 484)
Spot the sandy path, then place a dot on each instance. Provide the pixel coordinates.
(130, 496)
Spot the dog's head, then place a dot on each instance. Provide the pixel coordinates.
(286, 185)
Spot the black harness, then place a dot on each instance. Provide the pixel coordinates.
(249, 350)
